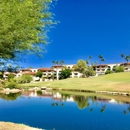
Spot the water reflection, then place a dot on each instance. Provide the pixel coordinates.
(60, 99)
(45, 109)
(82, 101)
(10, 96)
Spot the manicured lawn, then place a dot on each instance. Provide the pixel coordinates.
(111, 82)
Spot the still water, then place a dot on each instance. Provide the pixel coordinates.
(55, 111)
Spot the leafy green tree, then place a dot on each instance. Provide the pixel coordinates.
(65, 73)
(118, 69)
(26, 78)
(39, 74)
(80, 66)
(24, 26)
(89, 72)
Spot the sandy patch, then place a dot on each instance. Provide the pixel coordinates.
(12, 126)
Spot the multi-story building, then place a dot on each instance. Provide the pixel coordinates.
(55, 71)
(126, 67)
(101, 69)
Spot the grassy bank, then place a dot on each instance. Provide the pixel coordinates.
(112, 82)
(12, 126)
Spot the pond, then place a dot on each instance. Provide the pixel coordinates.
(56, 111)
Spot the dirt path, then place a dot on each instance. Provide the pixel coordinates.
(12, 126)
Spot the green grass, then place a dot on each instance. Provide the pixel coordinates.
(112, 82)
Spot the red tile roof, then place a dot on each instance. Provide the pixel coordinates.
(45, 69)
(30, 73)
(102, 65)
(125, 63)
(59, 66)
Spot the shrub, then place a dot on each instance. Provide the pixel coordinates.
(43, 79)
(108, 72)
(1, 75)
(1, 84)
(53, 76)
(39, 92)
(11, 76)
(10, 96)
(11, 84)
(75, 76)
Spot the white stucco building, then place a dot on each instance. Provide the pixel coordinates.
(55, 71)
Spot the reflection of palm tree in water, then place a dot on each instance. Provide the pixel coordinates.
(103, 107)
(126, 108)
(58, 104)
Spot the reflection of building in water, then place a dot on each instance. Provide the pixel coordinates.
(102, 99)
(112, 101)
(35, 93)
(59, 96)
(55, 95)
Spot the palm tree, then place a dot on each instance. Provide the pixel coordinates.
(96, 62)
(16, 68)
(89, 57)
(127, 58)
(58, 63)
(122, 55)
(62, 62)
(10, 69)
(101, 59)
(87, 62)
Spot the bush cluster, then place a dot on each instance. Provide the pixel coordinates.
(108, 72)
(11, 84)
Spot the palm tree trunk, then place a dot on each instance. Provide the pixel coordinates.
(57, 73)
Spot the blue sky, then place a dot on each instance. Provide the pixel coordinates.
(87, 27)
